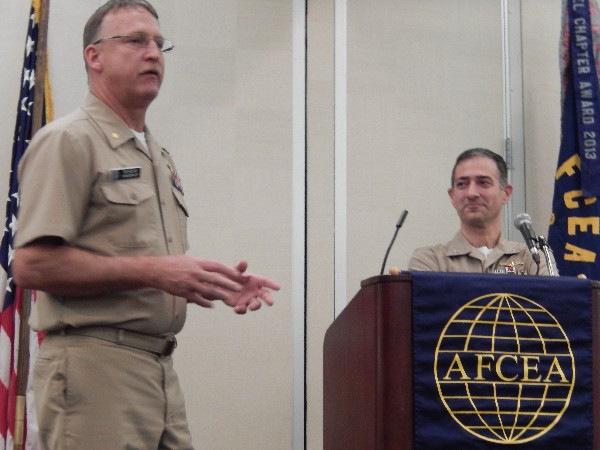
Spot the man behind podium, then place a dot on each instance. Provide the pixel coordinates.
(479, 190)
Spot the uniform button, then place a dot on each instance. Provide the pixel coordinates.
(170, 240)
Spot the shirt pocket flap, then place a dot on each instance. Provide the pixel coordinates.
(180, 200)
(126, 193)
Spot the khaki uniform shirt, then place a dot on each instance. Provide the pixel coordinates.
(460, 256)
(86, 179)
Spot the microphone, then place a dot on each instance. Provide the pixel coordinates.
(401, 219)
(524, 225)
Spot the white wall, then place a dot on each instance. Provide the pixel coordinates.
(541, 33)
(419, 93)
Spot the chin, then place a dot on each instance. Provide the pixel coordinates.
(475, 221)
(149, 89)
(148, 96)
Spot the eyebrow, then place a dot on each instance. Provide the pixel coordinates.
(476, 178)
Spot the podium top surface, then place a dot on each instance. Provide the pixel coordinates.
(407, 277)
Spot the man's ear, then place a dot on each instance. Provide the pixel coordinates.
(507, 192)
(91, 56)
(451, 195)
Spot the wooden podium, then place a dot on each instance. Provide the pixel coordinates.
(368, 369)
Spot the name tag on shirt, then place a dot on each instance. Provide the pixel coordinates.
(124, 173)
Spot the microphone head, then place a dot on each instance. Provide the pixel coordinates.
(403, 215)
(521, 219)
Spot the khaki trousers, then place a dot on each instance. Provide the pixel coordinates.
(93, 394)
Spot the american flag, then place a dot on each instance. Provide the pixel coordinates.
(13, 297)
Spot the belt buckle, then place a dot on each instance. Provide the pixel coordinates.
(170, 344)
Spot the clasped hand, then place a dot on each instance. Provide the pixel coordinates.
(204, 281)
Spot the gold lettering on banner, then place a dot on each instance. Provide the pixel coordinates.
(525, 368)
(499, 367)
(556, 369)
(459, 368)
(574, 200)
(481, 366)
(583, 223)
(569, 166)
(528, 368)
(578, 254)
(570, 197)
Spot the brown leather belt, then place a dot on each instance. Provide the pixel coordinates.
(159, 345)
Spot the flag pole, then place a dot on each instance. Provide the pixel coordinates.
(27, 295)
(41, 66)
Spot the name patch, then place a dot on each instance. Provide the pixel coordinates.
(124, 173)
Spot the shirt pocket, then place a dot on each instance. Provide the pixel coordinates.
(132, 216)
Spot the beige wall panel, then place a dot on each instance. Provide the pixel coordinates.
(424, 83)
(227, 111)
(541, 21)
(320, 159)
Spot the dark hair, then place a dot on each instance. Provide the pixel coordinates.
(93, 24)
(484, 152)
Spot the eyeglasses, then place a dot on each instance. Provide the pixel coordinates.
(141, 40)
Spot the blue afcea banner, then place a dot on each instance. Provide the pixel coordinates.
(574, 233)
(502, 361)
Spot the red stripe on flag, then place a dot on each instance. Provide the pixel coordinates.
(6, 368)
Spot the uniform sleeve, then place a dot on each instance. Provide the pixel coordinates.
(424, 259)
(54, 186)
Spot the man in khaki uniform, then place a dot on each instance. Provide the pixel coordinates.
(102, 236)
(479, 190)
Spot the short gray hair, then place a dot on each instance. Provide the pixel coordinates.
(93, 24)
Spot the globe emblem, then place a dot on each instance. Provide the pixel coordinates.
(504, 368)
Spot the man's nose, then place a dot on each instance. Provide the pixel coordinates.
(472, 190)
(153, 49)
